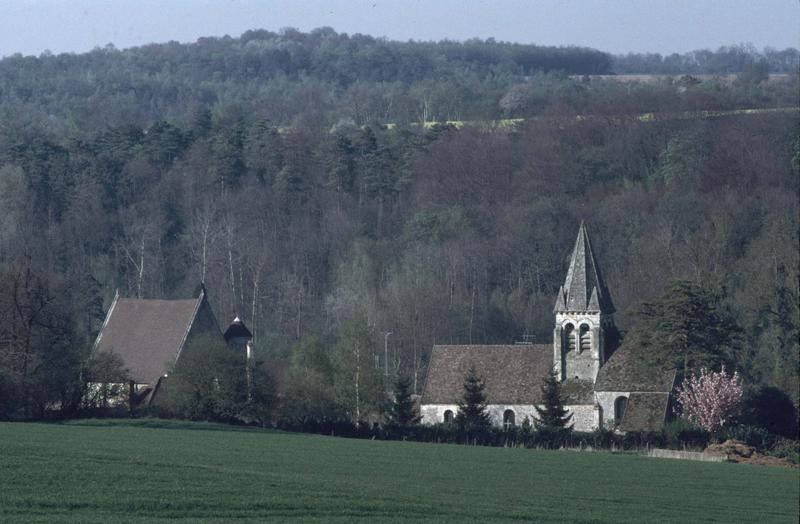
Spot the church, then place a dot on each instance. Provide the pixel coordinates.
(602, 386)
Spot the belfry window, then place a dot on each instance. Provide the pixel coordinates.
(569, 337)
(508, 419)
(585, 338)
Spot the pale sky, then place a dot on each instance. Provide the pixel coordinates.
(616, 26)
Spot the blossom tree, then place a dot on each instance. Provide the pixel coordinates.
(708, 399)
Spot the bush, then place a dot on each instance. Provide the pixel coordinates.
(787, 449)
(755, 436)
(682, 434)
(770, 408)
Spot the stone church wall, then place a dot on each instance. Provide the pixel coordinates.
(581, 366)
(584, 417)
(606, 399)
(521, 411)
(434, 413)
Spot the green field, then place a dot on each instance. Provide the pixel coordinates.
(141, 471)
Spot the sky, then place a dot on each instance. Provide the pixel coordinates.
(617, 26)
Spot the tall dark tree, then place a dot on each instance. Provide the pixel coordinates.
(688, 328)
(403, 412)
(209, 381)
(552, 415)
(472, 415)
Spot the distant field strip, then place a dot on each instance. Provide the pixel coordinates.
(147, 471)
(509, 124)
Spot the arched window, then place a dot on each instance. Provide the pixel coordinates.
(620, 405)
(508, 419)
(448, 416)
(585, 338)
(569, 337)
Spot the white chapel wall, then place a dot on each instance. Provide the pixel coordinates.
(585, 417)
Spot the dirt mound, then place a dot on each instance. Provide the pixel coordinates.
(736, 451)
(732, 449)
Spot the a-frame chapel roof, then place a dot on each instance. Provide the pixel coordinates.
(148, 334)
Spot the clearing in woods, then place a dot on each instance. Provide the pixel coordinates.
(148, 470)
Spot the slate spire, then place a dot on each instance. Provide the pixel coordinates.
(584, 289)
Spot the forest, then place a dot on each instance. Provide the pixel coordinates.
(303, 179)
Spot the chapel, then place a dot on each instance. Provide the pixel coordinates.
(150, 335)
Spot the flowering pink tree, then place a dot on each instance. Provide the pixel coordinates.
(709, 399)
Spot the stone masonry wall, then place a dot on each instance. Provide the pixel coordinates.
(606, 399)
(584, 417)
(434, 413)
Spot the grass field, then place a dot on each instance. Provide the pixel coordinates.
(142, 471)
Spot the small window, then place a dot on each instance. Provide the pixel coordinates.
(448, 416)
(620, 405)
(508, 419)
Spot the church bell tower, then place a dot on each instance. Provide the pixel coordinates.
(584, 316)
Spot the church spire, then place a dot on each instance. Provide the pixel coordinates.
(584, 289)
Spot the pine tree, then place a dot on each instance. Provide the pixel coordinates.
(472, 413)
(553, 415)
(402, 412)
(688, 327)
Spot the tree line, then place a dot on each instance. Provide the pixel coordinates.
(725, 60)
(323, 77)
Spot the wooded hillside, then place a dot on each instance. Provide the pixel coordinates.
(154, 169)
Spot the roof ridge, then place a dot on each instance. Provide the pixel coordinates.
(200, 298)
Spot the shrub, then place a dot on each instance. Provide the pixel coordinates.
(682, 433)
(788, 449)
(755, 436)
(769, 408)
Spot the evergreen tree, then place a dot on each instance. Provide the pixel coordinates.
(472, 415)
(402, 412)
(553, 415)
(687, 328)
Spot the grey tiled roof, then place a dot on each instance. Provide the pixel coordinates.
(584, 288)
(512, 374)
(577, 392)
(630, 368)
(645, 412)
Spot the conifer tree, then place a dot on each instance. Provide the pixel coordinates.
(553, 415)
(687, 327)
(472, 413)
(402, 412)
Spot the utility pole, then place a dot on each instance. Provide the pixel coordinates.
(386, 357)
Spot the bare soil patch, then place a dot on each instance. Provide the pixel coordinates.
(736, 451)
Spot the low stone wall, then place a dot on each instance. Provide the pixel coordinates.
(685, 455)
